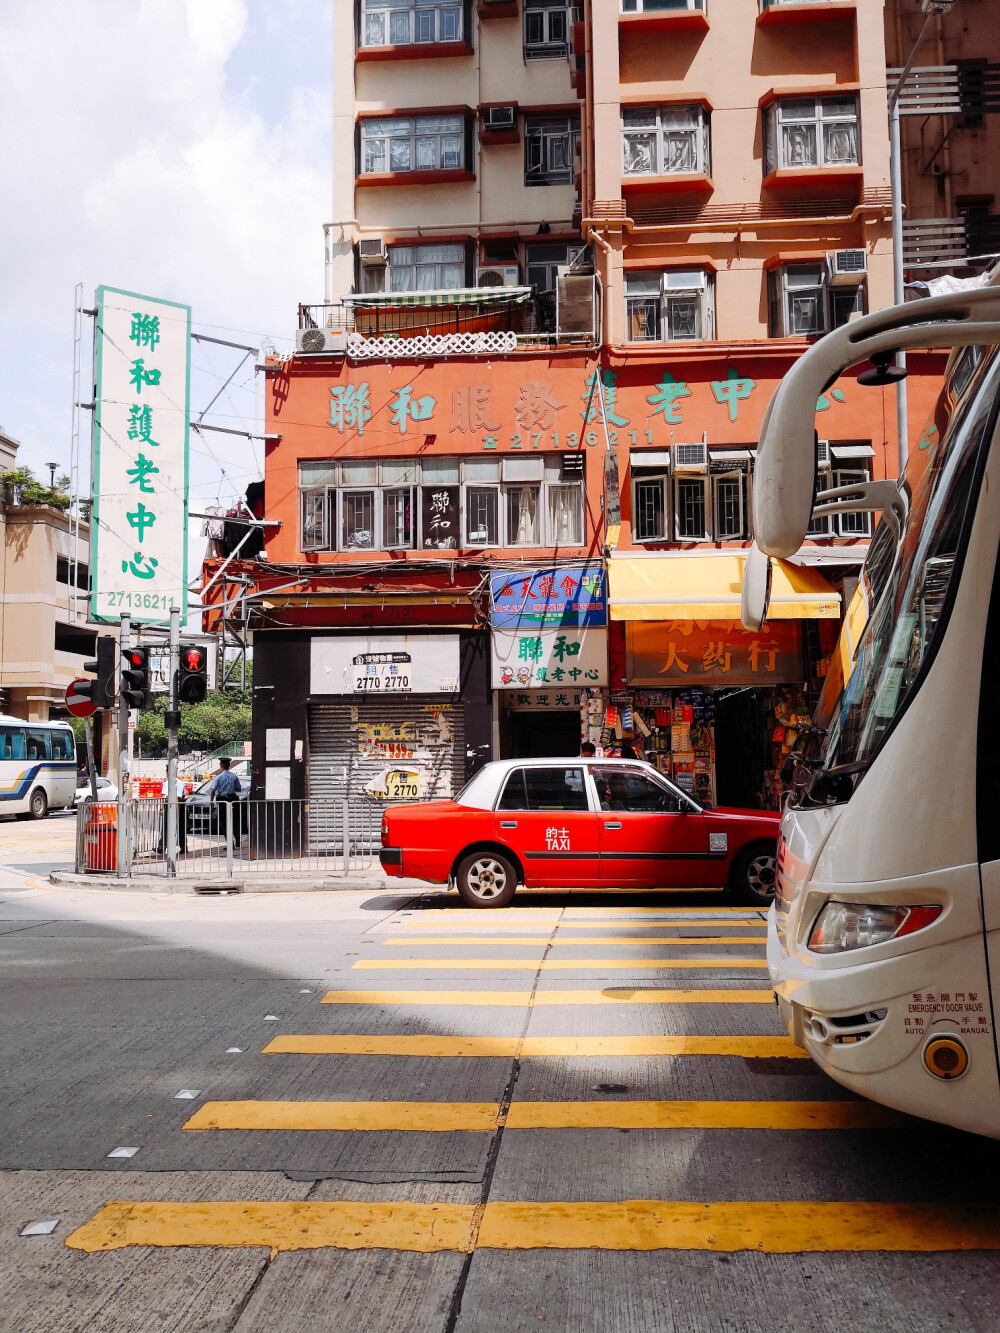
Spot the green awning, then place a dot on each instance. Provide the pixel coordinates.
(452, 296)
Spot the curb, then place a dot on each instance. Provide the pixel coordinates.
(210, 887)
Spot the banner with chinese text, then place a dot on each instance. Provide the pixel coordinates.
(140, 467)
(532, 659)
(713, 652)
(566, 595)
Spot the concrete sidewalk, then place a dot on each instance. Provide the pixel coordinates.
(370, 881)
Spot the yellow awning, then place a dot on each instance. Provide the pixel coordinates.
(708, 587)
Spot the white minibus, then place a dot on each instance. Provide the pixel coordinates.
(886, 919)
(37, 767)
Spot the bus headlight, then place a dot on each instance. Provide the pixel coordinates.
(843, 926)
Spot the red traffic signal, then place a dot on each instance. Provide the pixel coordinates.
(192, 680)
(135, 685)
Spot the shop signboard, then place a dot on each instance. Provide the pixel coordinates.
(533, 658)
(716, 653)
(567, 595)
(543, 701)
(385, 665)
(140, 470)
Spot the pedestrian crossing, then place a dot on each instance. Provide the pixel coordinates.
(709, 1019)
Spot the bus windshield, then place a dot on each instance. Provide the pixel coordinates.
(907, 580)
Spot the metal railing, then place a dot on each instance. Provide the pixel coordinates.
(529, 320)
(231, 839)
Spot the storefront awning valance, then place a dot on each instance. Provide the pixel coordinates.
(708, 587)
(446, 296)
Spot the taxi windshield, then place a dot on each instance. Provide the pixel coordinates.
(907, 581)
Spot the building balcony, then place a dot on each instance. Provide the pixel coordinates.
(946, 243)
(775, 13)
(470, 321)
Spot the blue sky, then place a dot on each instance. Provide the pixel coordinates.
(179, 148)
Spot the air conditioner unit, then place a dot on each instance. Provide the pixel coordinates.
(373, 253)
(846, 267)
(500, 118)
(823, 455)
(321, 340)
(580, 259)
(498, 275)
(690, 457)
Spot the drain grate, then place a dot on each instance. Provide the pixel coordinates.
(610, 1087)
(219, 890)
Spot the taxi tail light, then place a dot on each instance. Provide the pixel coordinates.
(843, 926)
(385, 832)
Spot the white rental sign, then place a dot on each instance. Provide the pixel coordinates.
(141, 410)
(381, 665)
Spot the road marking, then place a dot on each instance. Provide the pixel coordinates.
(633, 1224)
(520, 999)
(542, 941)
(478, 924)
(483, 1117)
(549, 964)
(508, 1047)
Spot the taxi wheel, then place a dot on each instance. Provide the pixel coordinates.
(486, 879)
(754, 875)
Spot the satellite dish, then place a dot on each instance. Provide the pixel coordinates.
(756, 589)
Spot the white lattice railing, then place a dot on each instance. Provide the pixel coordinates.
(361, 348)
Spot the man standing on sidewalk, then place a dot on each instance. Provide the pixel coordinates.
(225, 787)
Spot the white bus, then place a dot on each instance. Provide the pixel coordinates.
(37, 767)
(886, 919)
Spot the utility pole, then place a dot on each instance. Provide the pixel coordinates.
(173, 720)
(124, 857)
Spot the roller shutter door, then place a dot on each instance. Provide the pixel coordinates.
(354, 743)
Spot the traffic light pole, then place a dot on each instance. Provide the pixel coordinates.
(124, 780)
(173, 721)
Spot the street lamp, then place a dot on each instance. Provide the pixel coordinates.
(931, 8)
(52, 475)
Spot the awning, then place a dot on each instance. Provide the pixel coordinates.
(708, 587)
(444, 296)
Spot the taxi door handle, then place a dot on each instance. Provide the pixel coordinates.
(508, 823)
(613, 823)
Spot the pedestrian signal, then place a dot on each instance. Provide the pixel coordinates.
(192, 680)
(103, 691)
(135, 678)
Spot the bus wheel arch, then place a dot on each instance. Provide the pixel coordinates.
(753, 874)
(38, 805)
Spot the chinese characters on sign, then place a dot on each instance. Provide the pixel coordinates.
(716, 652)
(565, 595)
(140, 457)
(549, 659)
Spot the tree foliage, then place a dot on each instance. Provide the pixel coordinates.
(26, 489)
(222, 718)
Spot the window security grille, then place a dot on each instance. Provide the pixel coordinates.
(546, 29)
(549, 150)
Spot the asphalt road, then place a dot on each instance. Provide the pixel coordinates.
(577, 1113)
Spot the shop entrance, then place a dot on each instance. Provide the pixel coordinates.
(742, 748)
(535, 735)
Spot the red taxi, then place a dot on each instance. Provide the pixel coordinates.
(578, 823)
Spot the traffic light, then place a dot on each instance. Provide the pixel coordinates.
(135, 678)
(192, 680)
(102, 692)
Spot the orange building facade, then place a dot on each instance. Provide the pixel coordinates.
(511, 516)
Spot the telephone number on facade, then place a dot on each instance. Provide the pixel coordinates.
(147, 601)
(381, 684)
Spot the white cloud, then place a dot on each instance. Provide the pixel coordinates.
(137, 164)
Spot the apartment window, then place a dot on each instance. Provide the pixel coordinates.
(543, 265)
(802, 303)
(546, 29)
(690, 508)
(549, 149)
(412, 143)
(664, 140)
(649, 506)
(425, 268)
(658, 6)
(857, 524)
(729, 506)
(64, 571)
(439, 504)
(812, 132)
(664, 307)
(409, 22)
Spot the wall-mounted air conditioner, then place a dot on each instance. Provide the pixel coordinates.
(823, 455)
(373, 253)
(321, 340)
(846, 268)
(690, 457)
(500, 118)
(498, 275)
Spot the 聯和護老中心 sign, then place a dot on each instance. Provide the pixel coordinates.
(140, 457)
